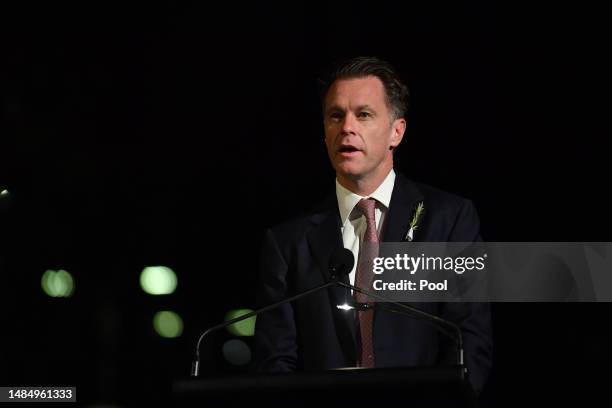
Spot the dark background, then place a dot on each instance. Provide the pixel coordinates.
(174, 134)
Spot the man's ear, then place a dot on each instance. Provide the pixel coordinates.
(398, 129)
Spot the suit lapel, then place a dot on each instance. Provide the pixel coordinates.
(404, 200)
(323, 240)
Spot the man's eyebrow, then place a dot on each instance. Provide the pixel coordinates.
(333, 108)
(365, 107)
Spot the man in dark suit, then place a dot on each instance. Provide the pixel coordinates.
(364, 104)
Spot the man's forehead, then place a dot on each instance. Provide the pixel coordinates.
(360, 91)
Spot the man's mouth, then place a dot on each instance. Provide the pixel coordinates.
(348, 149)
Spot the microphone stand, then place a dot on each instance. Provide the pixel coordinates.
(195, 365)
(339, 266)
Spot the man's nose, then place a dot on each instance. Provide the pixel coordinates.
(348, 123)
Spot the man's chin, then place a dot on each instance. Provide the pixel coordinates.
(349, 172)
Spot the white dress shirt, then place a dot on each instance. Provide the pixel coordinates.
(353, 222)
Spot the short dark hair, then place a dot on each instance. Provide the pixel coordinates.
(396, 91)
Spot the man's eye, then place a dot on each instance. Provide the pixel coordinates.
(364, 114)
(335, 116)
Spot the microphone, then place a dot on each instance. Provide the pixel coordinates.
(340, 264)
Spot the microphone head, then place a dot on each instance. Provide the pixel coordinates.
(341, 262)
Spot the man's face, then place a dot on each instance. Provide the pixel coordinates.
(359, 130)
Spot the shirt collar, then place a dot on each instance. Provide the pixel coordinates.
(347, 200)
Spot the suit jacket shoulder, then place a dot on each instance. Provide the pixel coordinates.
(446, 216)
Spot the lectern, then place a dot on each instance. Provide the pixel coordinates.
(376, 388)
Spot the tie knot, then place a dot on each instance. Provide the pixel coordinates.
(367, 206)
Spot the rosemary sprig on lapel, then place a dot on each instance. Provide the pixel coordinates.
(415, 221)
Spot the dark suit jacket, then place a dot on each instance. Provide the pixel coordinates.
(313, 334)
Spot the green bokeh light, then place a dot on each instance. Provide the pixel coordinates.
(168, 324)
(4, 193)
(57, 283)
(236, 352)
(158, 280)
(243, 328)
